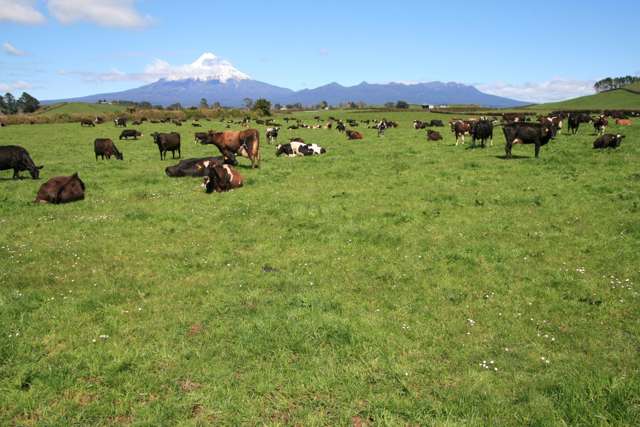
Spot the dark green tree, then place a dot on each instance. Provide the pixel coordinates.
(203, 103)
(27, 103)
(402, 104)
(11, 104)
(262, 106)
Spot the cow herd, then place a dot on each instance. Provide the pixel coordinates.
(219, 174)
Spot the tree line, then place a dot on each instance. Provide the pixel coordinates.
(614, 83)
(25, 104)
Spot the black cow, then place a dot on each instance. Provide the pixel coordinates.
(61, 189)
(130, 133)
(341, 127)
(192, 167)
(104, 147)
(167, 142)
(120, 121)
(608, 141)
(482, 130)
(17, 158)
(88, 123)
(200, 137)
(436, 123)
(600, 125)
(538, 134)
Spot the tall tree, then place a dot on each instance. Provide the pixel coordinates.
(203, 103)
(262, 106)
(10, 102)
(27, 103)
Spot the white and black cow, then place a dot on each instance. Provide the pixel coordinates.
(297, 148)
(272, 134)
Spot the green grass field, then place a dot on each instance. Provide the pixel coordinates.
(392, 281)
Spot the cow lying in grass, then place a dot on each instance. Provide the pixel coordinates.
(191, 167)
(608, 141)
(297, 148)
(433, 135)
(220, 178)
(61, 189)
(352, 134)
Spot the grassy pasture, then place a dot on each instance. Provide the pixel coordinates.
(80, 108)
(391, 281)
(615, 99)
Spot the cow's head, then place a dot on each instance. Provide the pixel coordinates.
(279, 150)
(35, 171)
(119, 155)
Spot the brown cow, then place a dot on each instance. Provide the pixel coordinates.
(352, 134)
(244, 143)
(220, 178)
(460, 128)
(104, 147)
(433, 135)
(61, 189)
(623, 122)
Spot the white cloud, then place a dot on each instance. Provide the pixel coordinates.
(556, 89)
(12, 50)
(20, 11)
(19, 85)
(207, 67)
(108, 13)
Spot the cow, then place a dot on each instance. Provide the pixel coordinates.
(608, 141)
(433, 135)
(600, 125)
(61, 189)
(272, 134)
(623, 122)
(460, 128)
(120, 122)
(87, 122)
(200, 137)
(191, 167)
(341, 127)
(296, 148)
(352, 134)
(382, 126)
(167, 142)
(573, 123)
(538, 134)
(417, 124)
(436, 123)
(555, 122)
(98, 120)
(130, 133)
(104, 147)
(482, 130)
(245, 143)
(220, 178)
(17, 158)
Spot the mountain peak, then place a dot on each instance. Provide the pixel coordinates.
(207, 67)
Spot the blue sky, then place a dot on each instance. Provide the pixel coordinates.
(542, 51)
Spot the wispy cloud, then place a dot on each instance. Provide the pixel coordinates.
(20, 11)
(18, 85)
(10, 49)
(108, 13)
(556, 89)
(207, 66)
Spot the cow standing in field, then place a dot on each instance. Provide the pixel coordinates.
(600, 125)
(104, 147)
(245, 143)
(17, 158)
(221, 178)
(167, 142)
(87, 123)
(382, 126)
(538, 134)
(272, 134)
(120, 122)
(459, 129)
(608, 141)
(130, 133)
(61, 189)
(417, 124)
(482, 130)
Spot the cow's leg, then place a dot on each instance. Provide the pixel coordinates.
(507, 149)
(179, 153)
(16, 173)
(537, 150)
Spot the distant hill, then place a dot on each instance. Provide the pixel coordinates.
(614, 99)
(79, 108)
(217, 80)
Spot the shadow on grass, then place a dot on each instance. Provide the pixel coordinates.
(513, 157)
